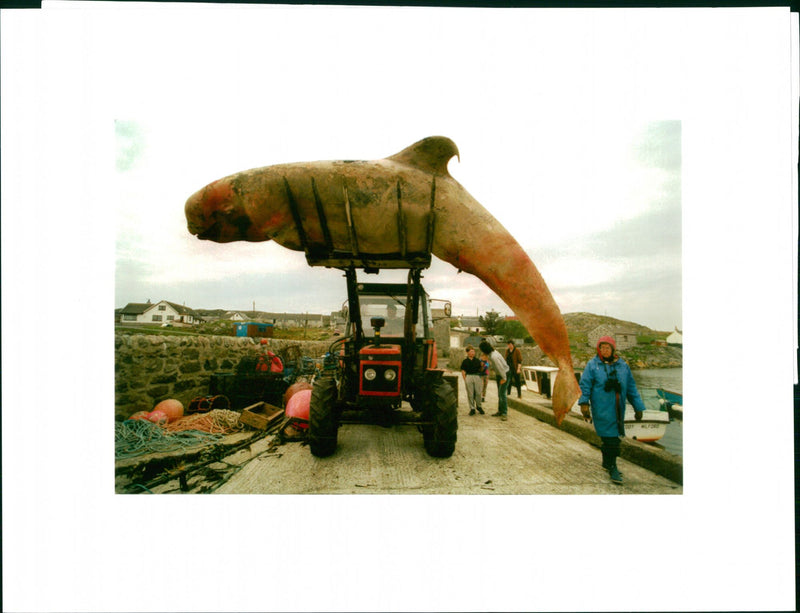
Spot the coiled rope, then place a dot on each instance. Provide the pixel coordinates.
(216, 421)
(134, 437)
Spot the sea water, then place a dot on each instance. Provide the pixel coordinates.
(647, 381)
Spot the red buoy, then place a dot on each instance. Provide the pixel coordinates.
(299, 407)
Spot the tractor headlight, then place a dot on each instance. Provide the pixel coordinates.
(370, 374)
(390, 375)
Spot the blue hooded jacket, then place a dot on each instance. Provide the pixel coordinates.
(602, 402)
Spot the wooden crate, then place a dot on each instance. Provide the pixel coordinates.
(260, 415)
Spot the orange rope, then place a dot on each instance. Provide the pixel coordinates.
(216, 421)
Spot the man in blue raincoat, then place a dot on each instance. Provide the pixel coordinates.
(605, 384)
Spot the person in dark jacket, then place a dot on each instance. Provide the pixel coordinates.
(606, 383)
(471, 369)
(514, 361)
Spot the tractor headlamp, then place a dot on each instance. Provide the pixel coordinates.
(390, 374)
(370, 374)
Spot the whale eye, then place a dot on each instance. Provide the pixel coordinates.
(242, 223)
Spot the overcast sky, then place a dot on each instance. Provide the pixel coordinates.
(556, 138)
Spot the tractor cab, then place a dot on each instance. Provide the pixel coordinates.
(391, 341)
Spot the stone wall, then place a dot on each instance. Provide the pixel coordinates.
(152, 368)
(531, 356)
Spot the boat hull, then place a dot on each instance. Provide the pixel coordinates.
(651, 428)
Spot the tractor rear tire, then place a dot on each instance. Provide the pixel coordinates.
(322, 423)
(442, 409)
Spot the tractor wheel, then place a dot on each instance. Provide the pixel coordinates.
(442, 409)
(322, 424)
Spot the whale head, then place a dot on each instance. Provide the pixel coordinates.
(218, 213)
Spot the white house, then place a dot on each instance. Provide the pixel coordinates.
(676, 338)
(163, 312)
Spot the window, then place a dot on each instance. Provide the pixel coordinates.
(170, 317)
(127, 317)
(162, 307)
(156, 317)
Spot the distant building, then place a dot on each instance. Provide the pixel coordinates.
(623, 338)
(163, 312)
(253, 329)
(280, 320)
(676, 338)
(471, 323)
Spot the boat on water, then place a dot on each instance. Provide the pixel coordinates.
(667, 396)
(672, 402)
(651, 428)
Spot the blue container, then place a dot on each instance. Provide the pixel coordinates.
(253, 329)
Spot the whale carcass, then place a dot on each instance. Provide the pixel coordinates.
(373, 213)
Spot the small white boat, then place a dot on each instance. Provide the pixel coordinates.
(539, 379)
(650, 429)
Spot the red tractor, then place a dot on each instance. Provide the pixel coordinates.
(387, 356)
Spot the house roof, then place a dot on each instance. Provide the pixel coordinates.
(183, 310)
(470, 321)
(135, 308)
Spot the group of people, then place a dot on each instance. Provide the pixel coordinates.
(508, 370)
(606, 383)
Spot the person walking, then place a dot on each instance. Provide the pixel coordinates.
(514, 361)
(500, 367)
(471, 369)
(605, 384)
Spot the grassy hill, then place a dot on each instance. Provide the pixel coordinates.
(580, 324)
(644, 355)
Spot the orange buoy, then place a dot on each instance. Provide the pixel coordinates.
(140, 415)
(172, 408)
(293, 389)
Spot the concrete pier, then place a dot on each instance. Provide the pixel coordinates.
(646, 455)
(523, 455)
(527, 454)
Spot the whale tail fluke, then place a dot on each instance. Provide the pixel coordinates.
(566, 393)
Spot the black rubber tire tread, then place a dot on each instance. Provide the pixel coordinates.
(440, 438)
(322, 424)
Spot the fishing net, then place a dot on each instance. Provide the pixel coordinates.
(135, 437)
